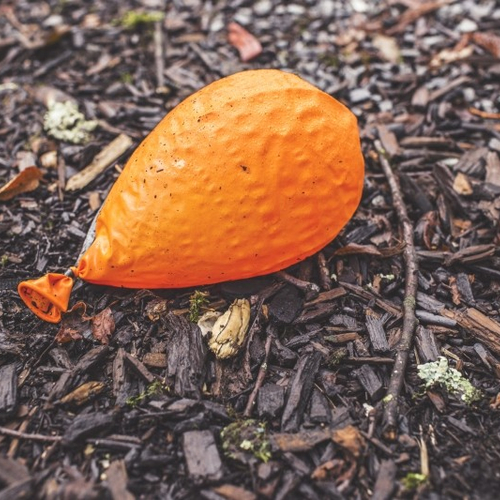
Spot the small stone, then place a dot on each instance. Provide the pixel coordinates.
(467, 26)
(263, 7)
(244, 16)
(217, 23)
(359, 95)
(326, 8)
(296, 10)
(494, 144)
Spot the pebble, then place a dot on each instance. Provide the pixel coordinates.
(244, 16)
(217, 23)
(494, 144)
(326, 8)
(467, 26)
(263, 7)
(359, 95)
(296, 10)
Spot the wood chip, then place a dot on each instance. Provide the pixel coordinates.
(8, 389)
(202, 456)
(103, 160)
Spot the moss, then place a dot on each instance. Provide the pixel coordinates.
(196, 302)
(246, 439)
(413, 480)
(133, 18)
(438, 373)
(64, 122)
(153, 389)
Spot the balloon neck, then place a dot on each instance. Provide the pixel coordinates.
(48, 296)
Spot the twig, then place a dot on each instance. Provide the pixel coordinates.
(262, 373)
(409, 318)
(324, 272)
(311, 289)
(31, 437)
(159, 54)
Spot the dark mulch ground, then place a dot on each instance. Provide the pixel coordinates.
(423, 79)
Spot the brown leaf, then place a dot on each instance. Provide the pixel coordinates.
(232, 492)
(351, 439)
(103, 325)
(74, 324)
(488, 41)
(83, 393)
(248, 46)
(25, 181)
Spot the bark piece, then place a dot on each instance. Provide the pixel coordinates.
(370, 381)
(70, 379)
(87, 425)
(300, 391)
(286, 304)
(320, 411)
(185, 356)
(270, 400)
(117, 481)
(376, 331)
(119, 378)
(8, 389)
(465, 289)
(427, 346)
(486, 329)
(202, 456)
(385, 484)
(12, 471)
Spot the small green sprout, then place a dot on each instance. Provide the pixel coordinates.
(387, 399)
(133, 18)
(196, 302)
(413, 480)
(245, 440)
(438, 373)
(153, 389)
(64, 122)
(4, 260)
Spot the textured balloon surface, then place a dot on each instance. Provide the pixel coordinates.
(249, 175)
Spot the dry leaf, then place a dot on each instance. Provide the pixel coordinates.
(447, 56)
(230, 329)
(488, 41)
(25, 181)
(351, 439)
(74, 324)
(231, 492)
(94, 200)
(83, 393)
(388, 48)
(248, 46)
(462, 185)
(103, 325)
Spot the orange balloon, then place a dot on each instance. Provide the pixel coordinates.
(247, 176)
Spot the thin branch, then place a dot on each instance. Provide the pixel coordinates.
(31, 437)
(262, 373)
(391, 409)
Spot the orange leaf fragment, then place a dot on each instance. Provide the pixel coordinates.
(25, 181)
(488, 41)
(103, 325)
(248, 46)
